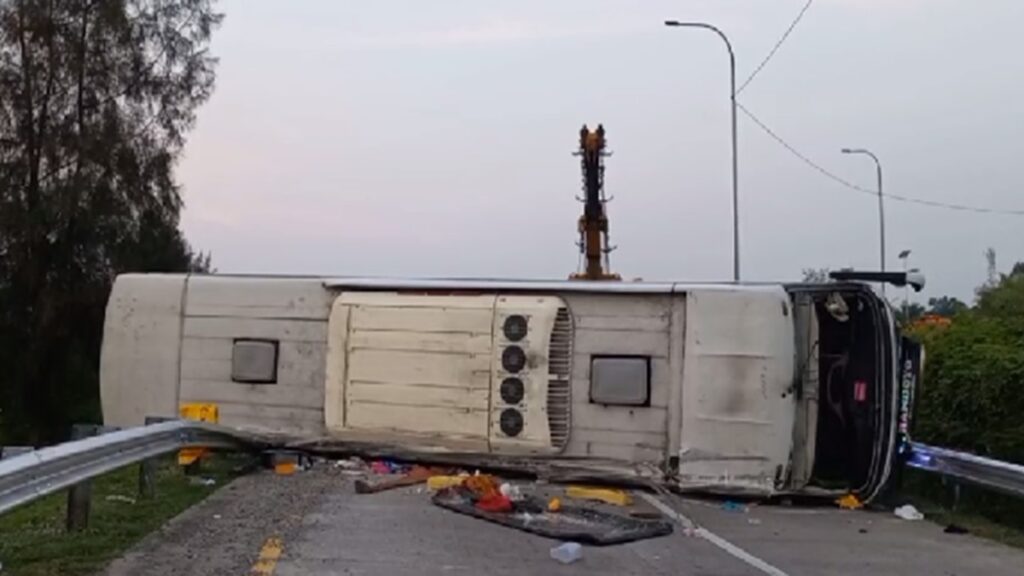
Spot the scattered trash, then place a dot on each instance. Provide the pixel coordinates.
(606, 495)
(415, 475)
(353, 465)
(554, 505)
(216, 516)
(645, 514)
(285, 468)
(120, 498)
(494, 503)
(567, 553)
(956, 529)
(569, 523)
(197, 481)
(380, 467)
(730, 506)
(754, 521)
(511, 491)
(850, 502)
(440, 482)
(908, 512)
(863, 530)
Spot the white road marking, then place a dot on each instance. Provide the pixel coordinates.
(730, 548)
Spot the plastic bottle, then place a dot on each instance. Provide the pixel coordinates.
(567, 552)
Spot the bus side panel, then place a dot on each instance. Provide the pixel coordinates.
(223, 312)
(738, 405)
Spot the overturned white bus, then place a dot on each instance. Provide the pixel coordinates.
(757, 389)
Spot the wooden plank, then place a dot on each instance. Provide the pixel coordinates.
(459, 422)
(618, 305)
(256, 394)
(419, 368)
(422, 320)
(283, 330)
(654, 344)
(412, 395)
(419, 341)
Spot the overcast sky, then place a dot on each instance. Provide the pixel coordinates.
(435, 139)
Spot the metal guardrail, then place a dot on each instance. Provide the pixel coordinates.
(994, 474)
(35, 474)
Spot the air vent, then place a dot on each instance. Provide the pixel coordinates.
(559, 371)
(512, 390)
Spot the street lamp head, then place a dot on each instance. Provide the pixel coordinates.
(904, 254)
(672, 23)
(847, 151)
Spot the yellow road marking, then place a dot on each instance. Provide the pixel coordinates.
(270, 553)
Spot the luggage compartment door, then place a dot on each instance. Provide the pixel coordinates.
(738, 406)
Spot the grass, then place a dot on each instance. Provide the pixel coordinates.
(983, 513)
(33, 541)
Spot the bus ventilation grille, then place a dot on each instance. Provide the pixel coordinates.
(559, 372)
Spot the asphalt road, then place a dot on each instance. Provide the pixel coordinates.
(314, 523)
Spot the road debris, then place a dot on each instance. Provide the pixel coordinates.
(908, 512)
(415, 475)
(612, 496)
(956, 529)
(554, 505)
(439, 482)
(351, 466)
(567, 553)
(571, 523)
(754, 521)
(730, 506)
(197, 481)
(511, 491)
(850, 502)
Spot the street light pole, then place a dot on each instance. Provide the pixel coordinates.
(881, 204)
(735, 161)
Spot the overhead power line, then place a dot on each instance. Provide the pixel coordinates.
(775, 48)
(846, 183)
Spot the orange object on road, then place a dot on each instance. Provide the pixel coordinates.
(554, 505)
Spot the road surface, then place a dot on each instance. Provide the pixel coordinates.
(314, 523)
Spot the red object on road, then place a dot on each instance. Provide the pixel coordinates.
(494, 503)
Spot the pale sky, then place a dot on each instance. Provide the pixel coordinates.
(434, 138)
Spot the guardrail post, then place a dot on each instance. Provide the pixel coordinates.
(80, 495)
(147, 468)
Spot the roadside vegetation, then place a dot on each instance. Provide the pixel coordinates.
(96, 98)
(33, 540)
(971, 398)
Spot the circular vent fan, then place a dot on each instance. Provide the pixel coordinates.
(512, 390)
(511, 422)
(515, 327)
(513, 359)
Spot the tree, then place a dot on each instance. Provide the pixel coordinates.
(96, 97)
(909, 312)
(946, 306)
